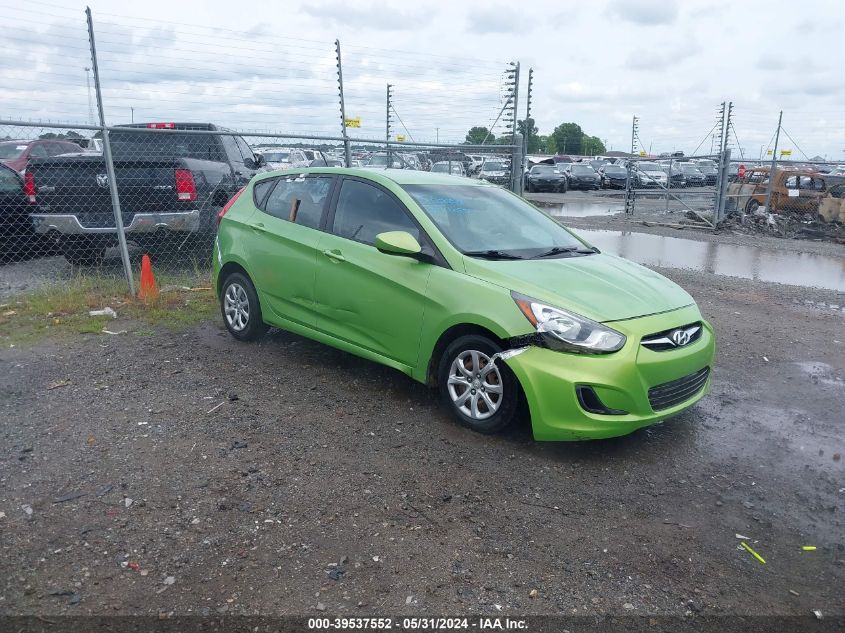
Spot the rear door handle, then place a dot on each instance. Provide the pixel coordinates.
(258, 227)
(335, 255)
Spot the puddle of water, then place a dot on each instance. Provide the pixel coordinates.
(730, 260)
(582, 209)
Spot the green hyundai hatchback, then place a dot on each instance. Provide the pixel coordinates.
(465, 287)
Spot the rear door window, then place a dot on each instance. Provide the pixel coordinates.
(38, 150)
(299, 199)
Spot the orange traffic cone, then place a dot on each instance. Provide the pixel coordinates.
(149, 288)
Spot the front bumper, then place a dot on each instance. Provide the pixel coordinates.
(621, 380)
(68, 224)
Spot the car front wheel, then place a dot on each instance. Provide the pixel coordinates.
(240, 308)
(480, 390)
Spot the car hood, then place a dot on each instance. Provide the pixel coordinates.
(601, 287)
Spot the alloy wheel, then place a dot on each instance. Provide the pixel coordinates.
(236, 307)
(475, 385)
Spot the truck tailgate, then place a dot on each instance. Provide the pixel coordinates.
(80, 186)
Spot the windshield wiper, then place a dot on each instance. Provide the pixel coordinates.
(558, 250)
(493, 254)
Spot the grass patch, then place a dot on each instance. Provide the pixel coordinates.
(61, 311)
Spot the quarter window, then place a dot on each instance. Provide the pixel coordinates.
(363, 211)
(299, 200)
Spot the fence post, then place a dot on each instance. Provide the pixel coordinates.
(107, 157)
(346, 150)
(722, 186)
(516, 164)
(774, 164)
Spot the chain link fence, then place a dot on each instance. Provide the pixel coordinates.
(159, 190)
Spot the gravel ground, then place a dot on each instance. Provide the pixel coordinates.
(188, 473)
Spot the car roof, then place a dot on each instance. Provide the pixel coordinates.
(398, 176)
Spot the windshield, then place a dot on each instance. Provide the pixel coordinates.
(492, 165)
(613, 170)
(544, 169)
(690, 169)
(377, 161)
(706, 163)
(276, 157)
(475, 218)
(444, 168)
(582, 170)
(10, 151)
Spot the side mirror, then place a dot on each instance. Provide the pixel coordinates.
(398, 243)
(260, 160)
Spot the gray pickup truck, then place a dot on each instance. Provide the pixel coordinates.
(171, 184)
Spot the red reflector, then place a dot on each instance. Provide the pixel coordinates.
(162, 126)
(229, 204)
(185, 188)
(29, 186)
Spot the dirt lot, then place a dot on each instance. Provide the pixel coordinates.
(159, 471)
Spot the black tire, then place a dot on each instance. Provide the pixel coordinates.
(237, 293)
(530, 188)
(83, 252)
(507, 402)
(752, 206)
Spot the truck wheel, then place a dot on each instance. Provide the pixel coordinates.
(85, 252)
(752, 206)
(241, 309)
(484, 396)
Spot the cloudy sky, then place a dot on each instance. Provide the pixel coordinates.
(271, 66)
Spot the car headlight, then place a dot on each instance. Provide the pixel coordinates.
(567, 331)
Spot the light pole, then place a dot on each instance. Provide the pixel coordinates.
(132, 110)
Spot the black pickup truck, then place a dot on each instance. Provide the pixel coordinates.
(171, 184)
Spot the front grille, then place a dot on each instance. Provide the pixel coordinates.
(677, 391)
(662, 341)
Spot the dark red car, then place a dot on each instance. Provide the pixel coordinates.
(16, 154)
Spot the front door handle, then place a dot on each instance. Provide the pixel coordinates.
(335, 255)
(258, 227)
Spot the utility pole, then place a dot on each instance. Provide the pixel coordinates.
(774, 163)
(346, 151)
(529, 125)
(90, 98)
(132, 110)
(515, 99)
(437, 135)
(387, 124)
(634, 124)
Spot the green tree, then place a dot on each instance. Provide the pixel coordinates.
(568, 138)
(592, 146)
(529, 130)
(546, 144)
(477, 134)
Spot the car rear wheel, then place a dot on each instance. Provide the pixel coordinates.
(240, 308)
(481, 391)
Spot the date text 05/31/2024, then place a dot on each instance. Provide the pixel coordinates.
(418, 624)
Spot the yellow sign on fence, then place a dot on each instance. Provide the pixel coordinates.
(642, 153)
(785, 152)
(356, 122)
(400, 138)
